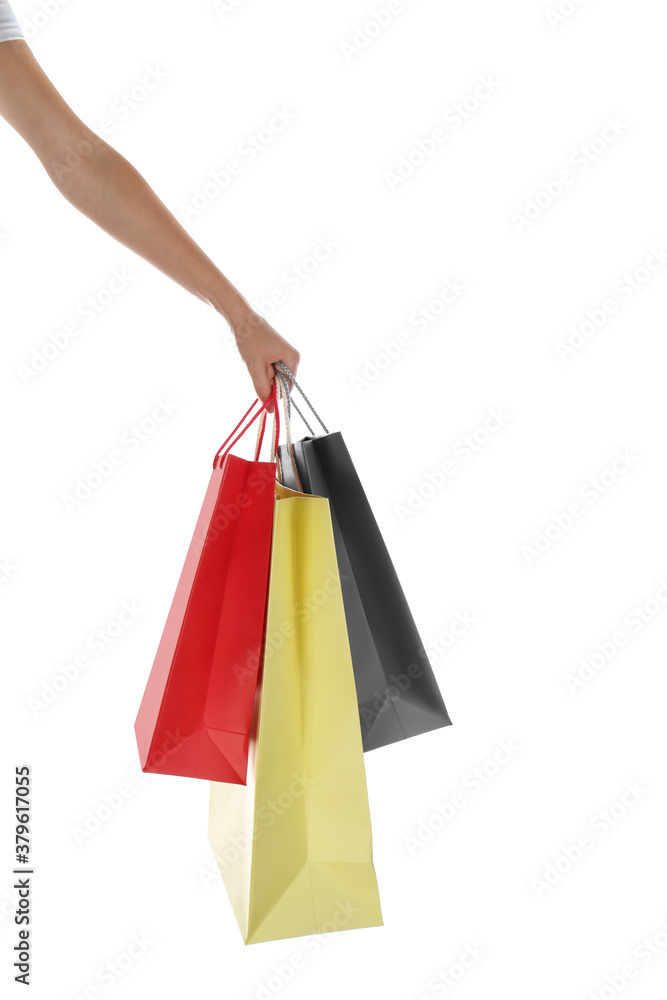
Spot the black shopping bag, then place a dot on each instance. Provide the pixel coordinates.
(397, 692)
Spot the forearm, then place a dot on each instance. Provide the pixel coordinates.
(106, 188)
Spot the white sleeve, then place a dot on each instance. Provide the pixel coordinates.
(9, 26)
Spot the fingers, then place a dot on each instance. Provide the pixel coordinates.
(282, 375)
(293, 361)
(261, 351)
(290, 359)
(262, 380)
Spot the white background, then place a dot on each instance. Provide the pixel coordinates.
(475, 883)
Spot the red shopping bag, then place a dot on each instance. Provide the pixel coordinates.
(195, 714)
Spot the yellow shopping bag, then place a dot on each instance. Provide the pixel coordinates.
(294, 845)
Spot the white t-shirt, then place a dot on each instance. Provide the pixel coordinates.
(9, 26)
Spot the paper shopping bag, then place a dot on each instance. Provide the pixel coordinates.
(397, 692)
(195, 714)
(294, 846)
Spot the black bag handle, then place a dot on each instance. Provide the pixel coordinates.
(285, 371)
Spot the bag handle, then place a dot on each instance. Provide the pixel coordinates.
(225, 447)
(287, 401)
(285, 371)
(275, 434)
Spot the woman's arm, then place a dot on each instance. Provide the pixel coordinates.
(104, 186)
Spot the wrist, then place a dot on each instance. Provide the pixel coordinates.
(228, 302)
(243, 320)
(235, 310)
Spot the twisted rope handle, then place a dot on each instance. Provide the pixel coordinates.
(275, 434)
(285, 370)
(285, 395)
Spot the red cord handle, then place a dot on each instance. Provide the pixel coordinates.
(262, 410)
(260, 436)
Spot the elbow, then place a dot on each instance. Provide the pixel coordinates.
(67, 164)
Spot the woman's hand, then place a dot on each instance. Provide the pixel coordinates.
(260, 345)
